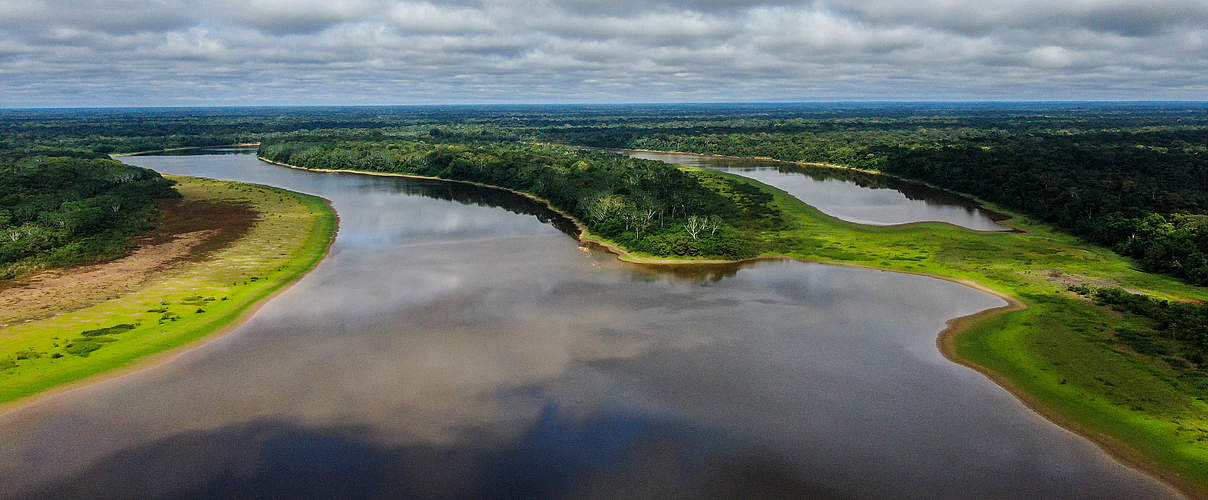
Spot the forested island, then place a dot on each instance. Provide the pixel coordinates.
(1108, 334)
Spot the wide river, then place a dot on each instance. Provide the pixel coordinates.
(456, 343)
(879, 200)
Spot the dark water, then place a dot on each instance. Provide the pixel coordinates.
(454, 345)
(849, 195)
(205, 151)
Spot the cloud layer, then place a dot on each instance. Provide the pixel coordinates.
(201, 52)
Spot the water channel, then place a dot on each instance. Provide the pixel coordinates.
(457, 343)
(850, 195)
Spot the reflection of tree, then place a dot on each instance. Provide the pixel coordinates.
(233, 150)
(688, 272)
(911, 190)
(469, 194)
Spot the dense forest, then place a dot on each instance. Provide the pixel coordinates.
(1143, 193)
(647, 206)
(1130, 176)
(65, 208)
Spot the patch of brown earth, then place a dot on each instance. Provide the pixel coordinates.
(188, 231)
(1057, 276)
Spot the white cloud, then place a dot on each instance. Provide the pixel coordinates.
(429, 18)
(121, 52)
(1051, 57)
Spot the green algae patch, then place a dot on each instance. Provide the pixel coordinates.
(191, 301)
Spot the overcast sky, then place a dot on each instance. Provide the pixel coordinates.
(266, 52)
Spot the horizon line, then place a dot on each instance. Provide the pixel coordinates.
(618, 103)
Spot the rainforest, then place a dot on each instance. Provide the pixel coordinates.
(1087, 271)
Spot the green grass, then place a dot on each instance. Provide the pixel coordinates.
(291, 235)
(1060, 353)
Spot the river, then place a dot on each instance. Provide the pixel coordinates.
(457, 343)
(853, 196)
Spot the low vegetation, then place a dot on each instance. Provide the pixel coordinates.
(185, 302)
(1176, 332)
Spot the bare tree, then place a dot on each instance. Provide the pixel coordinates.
(604, 207)
(694, 225)
(714, 223)
(122, 177)
(647, 214)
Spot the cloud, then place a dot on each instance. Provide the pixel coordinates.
(429, 18)
(123, 52)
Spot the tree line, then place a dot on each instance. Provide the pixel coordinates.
(1174, 331)
(647, 206)
(1142, 192)
(1127, 176)
(67, 208)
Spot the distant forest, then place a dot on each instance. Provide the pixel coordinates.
(1130, 176)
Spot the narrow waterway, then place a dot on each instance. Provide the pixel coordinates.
(853, 196)
(457, 343)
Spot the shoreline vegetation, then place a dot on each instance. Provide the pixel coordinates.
(1001, 217)
(185, 300)
(995, 342)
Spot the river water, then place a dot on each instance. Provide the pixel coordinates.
(853, 196)
(456, 343)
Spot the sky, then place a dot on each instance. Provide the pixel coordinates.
(72, 53)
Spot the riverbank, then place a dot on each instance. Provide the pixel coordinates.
(1054, 350)
(1000, 216)
(134, 314)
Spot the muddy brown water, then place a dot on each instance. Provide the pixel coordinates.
(456, 343)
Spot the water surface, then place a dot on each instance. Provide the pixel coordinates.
(454, 343)
(853, 196)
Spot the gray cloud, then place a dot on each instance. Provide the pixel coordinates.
(170, 52)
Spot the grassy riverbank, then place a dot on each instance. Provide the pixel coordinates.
(1054, 349)
(1059, 354)
(187, 299)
